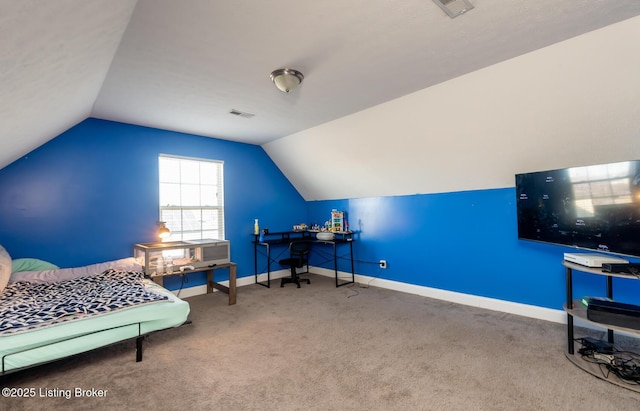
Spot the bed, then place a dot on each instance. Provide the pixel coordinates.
(54, 313)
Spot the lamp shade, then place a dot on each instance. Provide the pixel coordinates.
(163, 231)
(286, 79)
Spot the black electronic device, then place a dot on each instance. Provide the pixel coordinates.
(622, 268)
(590, 344)
(593, 207)
(604, 310)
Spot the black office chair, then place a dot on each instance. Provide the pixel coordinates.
(298, 257)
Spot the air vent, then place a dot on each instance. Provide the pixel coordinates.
(241, 113)
(454, 8)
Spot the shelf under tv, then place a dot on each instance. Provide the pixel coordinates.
(575, 309)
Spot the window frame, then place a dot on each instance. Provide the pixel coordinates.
(178, 231)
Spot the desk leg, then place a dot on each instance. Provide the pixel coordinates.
(268, 266)
(255, 260)
(210, 281)
(353, 271)
(231, 290)
(335, 265)
(335, 262)
(232, 284)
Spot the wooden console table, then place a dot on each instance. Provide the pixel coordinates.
(211, 283)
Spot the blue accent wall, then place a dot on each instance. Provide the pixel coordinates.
(91, 193)
(464, 242)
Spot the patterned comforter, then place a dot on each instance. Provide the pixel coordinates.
(25, 306)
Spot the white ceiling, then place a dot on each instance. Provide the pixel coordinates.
(183, 65)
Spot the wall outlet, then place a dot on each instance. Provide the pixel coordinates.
(383, 263)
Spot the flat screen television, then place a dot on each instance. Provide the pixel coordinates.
(592, 207)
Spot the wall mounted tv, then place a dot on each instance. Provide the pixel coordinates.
(593, 207)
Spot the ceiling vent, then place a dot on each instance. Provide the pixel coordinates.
(454, 8)
(241, 113)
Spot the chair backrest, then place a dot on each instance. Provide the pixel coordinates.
(299, 250)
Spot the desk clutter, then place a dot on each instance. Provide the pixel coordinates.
(336, 225)
(332, 235)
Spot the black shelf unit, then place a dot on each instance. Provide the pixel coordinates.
(574, 308)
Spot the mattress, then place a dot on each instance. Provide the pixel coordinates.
(69, 338)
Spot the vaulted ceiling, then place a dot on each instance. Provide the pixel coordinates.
(184, 65)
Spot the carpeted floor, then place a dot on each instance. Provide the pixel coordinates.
(326, 348)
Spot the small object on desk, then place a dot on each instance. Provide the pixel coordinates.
(261, 239)
(160, 266)
(186, 267)
(168, 265)
(256, 227)
(325, 236)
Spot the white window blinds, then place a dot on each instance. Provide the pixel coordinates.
(192, 197)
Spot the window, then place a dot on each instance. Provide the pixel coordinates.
(192, 198)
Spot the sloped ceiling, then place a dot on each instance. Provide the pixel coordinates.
(183, 65)
(54, 57)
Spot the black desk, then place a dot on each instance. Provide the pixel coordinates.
(283, 238)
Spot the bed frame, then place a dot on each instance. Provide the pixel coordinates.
(28, 352)
(139, 350)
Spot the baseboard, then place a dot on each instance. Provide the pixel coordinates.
(525, 310)
(187, 292)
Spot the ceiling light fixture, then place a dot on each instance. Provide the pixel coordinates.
(286, 79)
(454, 8)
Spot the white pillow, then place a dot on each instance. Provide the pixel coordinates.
(5, 268)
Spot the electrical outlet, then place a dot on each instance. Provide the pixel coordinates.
(383, 263)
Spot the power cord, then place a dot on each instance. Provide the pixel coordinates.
(361, 285)
(351, 288)
(624, 364)
(183, 279)
(374, 277)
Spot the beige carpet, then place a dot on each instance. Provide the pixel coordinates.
(326, 348)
